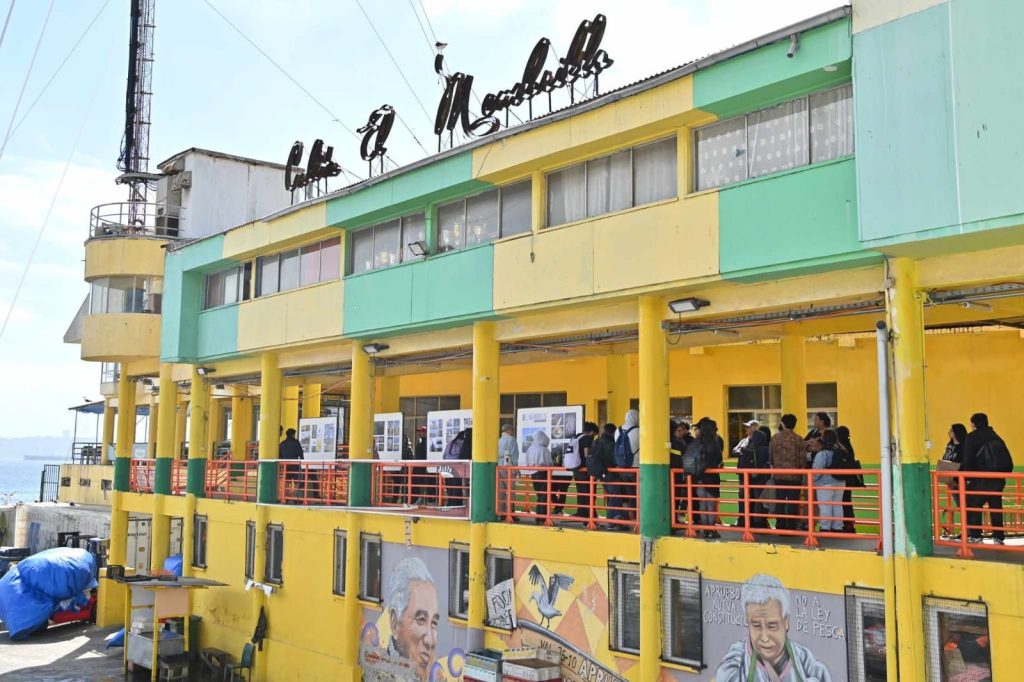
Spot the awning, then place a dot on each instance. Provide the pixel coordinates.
(97, 408)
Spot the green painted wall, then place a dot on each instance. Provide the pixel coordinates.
(217, 332)
(801, 221)
(939, 148)
(435, 292)
(411, 191)
(767, 76)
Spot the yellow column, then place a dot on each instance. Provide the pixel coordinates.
(360, 440)
(290, 408)
(198, 448)
(793, 359)
(167, 417)
(617, 384)
(164, 452)
(486, 394)
(538, 202)
(180, 425)
(108, 425)
(123, 452)
(241, 422)
(216, 424)
(270, 426)
(311, 400)
(151, 436)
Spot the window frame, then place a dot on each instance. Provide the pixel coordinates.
(491, 556)
(458, 551)
(513, 417)
(616, 627)
(767, 416)
(255, 267)
(857, 597)
(273, 549)
(666, 576)
(371, 229)
(931, 607)
(239, 271)
(366, 539)
(249, 566)
(832, 410)
(199, 539)
(694, 146)
(340, 541)
(146, 285)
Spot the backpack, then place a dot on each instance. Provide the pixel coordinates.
(623, 449)
(694, 460)
(599, 457)
(454, 449)
(571, 455)
(995, 456)
(841, 459)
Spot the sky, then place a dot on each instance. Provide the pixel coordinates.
(213, 89)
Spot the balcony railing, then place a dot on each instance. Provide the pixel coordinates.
(86, 453)
(430, 487)
(141, 475)
(318, 483)
(179, 476)
(134, 220)
(541, 494)
(972, 507)
(232, 480)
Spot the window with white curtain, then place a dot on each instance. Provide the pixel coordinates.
(632, 177)
(805, 130)
(485, 217)
(681, 624)
(624, 611)
(310, 264)
(386, 244)
(125, 295)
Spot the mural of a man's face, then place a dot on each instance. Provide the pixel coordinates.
(415, 630)
(768, 628)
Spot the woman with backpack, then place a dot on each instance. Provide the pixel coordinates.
(828, 490)
(954, 453)
(538, 455)
(677, 446)
(852, 480)
(705, 453)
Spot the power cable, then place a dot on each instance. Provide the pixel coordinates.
(10, 11)
(429, 25)
(431, 47)
(55, 73)
(287, 75)
(28, 73)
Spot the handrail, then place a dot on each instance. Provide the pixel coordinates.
(541, 494)
(313, 482)
(86, 453)
(432, 486)
(179, 476)
(961, 500)
(228, 479)
(141, 475)
(126, 218)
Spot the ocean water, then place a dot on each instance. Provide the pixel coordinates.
(19, 478)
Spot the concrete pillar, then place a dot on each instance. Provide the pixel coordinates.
(108, 425)
(311, 400)
(793, 361)
(270, 427)
(180, 425)
(198, 429)
(216, 424)
(164, 453)
(655, 503)
(486, 408)
(617, 384)
(122, 466)
(241, 422)
(360, 440)
(290, 407)
(151, 435)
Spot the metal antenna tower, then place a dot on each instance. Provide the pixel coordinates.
(134, 159)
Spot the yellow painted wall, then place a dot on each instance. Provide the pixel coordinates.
(113, 337)
(302, 315)
(870, 13)
(93, 493)
(127, 256)
(305, 224)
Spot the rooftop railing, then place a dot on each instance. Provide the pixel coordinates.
(978, 511)
(126, 219)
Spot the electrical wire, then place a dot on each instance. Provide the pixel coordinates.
(427, 17)
(10, 11)
(431, 47)
(28, 73)
(334, 117)
(55, 73)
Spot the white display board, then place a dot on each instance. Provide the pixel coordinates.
(387, 435)
(559, 423)
(442, 427)
(319, 438)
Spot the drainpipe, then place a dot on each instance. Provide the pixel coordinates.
(886, 528)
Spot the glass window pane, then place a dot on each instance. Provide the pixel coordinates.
(746, 398)
(597, 186)
(528, 400)
(268, 275)
(777, 137)
(362, 251)
(414, 229)
(654, 171)
(451, 220)
(310, 264)
(98, 296)
(832, 123)
(387, 239)
(231, 278)
(609, 184)
(407, 406)
(507, 404)
(449, 402)
(330, 259)
(482, 218)
(721, 153)
(119, 294)
(773, 397)
(629, 610)
(289, 270)
(822, 395)
(567, 195)
(555, 399)
(516, 208)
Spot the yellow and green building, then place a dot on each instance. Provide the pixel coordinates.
(874, 174)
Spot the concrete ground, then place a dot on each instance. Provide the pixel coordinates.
(63, 653)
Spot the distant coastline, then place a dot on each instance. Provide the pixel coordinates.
(43, 458)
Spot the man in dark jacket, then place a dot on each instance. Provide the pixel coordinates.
(753, 455)
(421, 479)
(981, 452)
(290, 448)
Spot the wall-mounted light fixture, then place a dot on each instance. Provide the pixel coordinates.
(374, 348)
(687, 305)
(146, 381)
(418, 248)
(794, 45)
(203, 371)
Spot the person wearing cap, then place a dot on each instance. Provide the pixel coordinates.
(753, 454)
(508, 456)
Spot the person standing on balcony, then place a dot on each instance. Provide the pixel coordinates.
(508, 456)
(708, 481)
(538, 455)
(677, 446)
(787, 450)
(627, 447)
(955, 454)
(600, 460)
(852, 480)
(291, 449)
(421, 482)
(985, 451)
(828, 489)
(753, 455)
(576, 462)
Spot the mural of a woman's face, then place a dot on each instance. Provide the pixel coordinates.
(768, 629)
(415, 630)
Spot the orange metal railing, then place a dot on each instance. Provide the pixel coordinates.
(141, 475)
(746, 501)
(542, 494)
(313, 482)
(179, 476)
(431, 485)
(231, 480)
(968, 505)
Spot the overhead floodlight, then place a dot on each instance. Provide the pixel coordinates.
(203, 371)
(147, 381)
(419, 248)
(687, 305)
(374, 348)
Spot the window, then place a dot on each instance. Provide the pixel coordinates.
(369, 567)
(956, 640)
(458, 580)
(823, 397)
(483, 218)
(109, 372)
(224, 287)
(275, 554)
(865, 634)
(386, 244)
(624, 614)
(763, 403)
(788, 135)
(199, 541)
(632, 177)
(679, 409)
(512, 402)
(681, 617)
(125, 295)
(310, 264)
(339, 562)
(498, 569)
(414, 410)
(250, 550)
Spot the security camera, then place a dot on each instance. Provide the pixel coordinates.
(794, 45)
